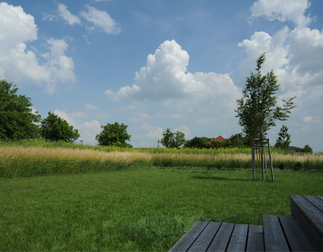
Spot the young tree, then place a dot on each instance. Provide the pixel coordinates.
(16, 118)
(179, 139)
(114, 135)
(257, 110)
(283, 140)
(54, 128)
(172, 140)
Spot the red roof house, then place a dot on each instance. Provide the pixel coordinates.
(219, 139)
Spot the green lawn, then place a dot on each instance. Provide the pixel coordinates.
(146, 209)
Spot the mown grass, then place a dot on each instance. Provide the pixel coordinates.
(144, 209)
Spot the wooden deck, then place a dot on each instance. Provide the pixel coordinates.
(303, 231)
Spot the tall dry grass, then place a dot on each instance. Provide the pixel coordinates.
(20, 161)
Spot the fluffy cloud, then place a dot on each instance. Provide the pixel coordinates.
(17, 62)
(100, 20)
(66, 15)
(152, 131)
(87, 130)
(296, 56)
(165, 79)
(185, 130)
(89, 106)
(287, 10)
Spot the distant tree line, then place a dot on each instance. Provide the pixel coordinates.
(18, 122)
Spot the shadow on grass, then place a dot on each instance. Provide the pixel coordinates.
(220, 178)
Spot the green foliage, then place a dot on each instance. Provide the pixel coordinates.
(198, 142)
(172, 140)
(220, 144)
(114, 135)
(283, 140)
(237, 140)
(307, 149)
(16, 118)
(54, 128)
(257, 110)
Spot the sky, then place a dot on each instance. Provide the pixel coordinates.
(157, 64)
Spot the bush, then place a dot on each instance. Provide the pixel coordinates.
(298, 166)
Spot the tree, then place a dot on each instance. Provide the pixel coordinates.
(257, 110)
(16, 118)
(54, 128)
(307, 149)
(283, 140)
(114, 135)
(172, 140)
(237, 140)
(198, 142)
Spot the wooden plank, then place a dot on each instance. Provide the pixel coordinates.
(238, 238)
(316, 201)
(255, 238)
(314, 215)
(206, 237)
(273, 234)
(188, 239)
(320, 197)
(221, 240)
(309, 218)
(296, 237)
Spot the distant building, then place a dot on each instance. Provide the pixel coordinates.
(294, 149)
(219, 139)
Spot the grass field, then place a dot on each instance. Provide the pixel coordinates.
(142, 209)
(62, 196)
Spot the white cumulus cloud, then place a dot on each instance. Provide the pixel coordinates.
(100, 20)
(68, 16)
(282, 10)
(87, 130)
(165, 79)
(152, 131)
(17, 62)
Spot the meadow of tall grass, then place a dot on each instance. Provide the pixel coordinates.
(37, 158)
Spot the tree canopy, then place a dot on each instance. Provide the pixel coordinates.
(172, 140)
(198, 142)
(283, 140)
(16, 118)
(114, 135)
(257, 110)
(54, 128)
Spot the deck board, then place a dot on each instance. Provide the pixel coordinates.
(273, 234)
(205, 238)
(313, 214)
(221, 240)
(255, 238)
(238, 239)
(316, 201)
(296, 237)
(309, 218)
(187, 240)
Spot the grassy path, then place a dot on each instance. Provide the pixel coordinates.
(137, 210)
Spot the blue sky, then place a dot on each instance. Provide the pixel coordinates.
(163, 64)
